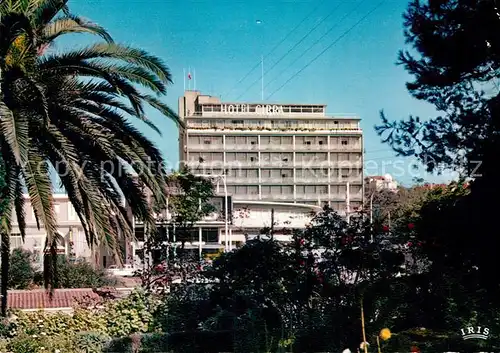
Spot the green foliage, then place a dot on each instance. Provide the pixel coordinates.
(269, 294)
(21, 272)
(134, 314)
(89, 329)
(79, 275)
(71, 112)
(191, 201)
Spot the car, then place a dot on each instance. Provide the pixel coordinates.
(125, 271)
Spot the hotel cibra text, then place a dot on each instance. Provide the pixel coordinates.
(267, 109)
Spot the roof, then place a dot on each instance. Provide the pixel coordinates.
(39, 298)
(375, 177)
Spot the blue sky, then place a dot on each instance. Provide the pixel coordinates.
(221, 41)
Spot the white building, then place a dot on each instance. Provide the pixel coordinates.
(377, 183)
(73, 242)
(292, 153)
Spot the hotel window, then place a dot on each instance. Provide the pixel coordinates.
(207, 142)
(320, 142)
(344, 142)
(15, 241)
(307, 142)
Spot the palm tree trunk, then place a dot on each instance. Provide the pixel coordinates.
(5, 253)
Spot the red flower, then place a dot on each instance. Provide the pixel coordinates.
(410, 243)
(302, 241)
(411, 226)
(414, 349)
(385, 228)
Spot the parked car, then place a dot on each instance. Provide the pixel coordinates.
(125, 271)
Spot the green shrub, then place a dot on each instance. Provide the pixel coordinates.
(21, 272)
(78, 275)
(90, 342)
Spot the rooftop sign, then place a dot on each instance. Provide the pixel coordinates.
(267, 109)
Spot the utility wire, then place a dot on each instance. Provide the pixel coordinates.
(316, 42)
(327, 48)
(291, 49)
(276, 46)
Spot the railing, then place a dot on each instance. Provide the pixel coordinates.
(277, 197)
(245, 197)
(242, 180)
(205, 147)
(286, 180)
(312, 179)
(313, 148)
(265, 129)
(276, 147)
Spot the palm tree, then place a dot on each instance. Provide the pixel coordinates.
(72, 112)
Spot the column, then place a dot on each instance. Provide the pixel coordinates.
(294, 171)
(329, 174)
(258, 166)
(200, 238)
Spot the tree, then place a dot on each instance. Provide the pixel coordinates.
(69, 111)
(21, 272)
(189, 202)
(456, 68)
(302, 296)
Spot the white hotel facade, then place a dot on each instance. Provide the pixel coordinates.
(291, 153)
(280, 163)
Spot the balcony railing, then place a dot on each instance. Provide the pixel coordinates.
(277, 196)
(311, 179)
(272, 147)
(242, 180)
(245, 196)
(285, 180)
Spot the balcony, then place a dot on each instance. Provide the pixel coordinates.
(312, 148)
(279, 181)
(205, 147)
(242, 180)
(277, 163)
(346, 148)
(278, 196)
(312, 179)
(314, 163)
(276, 147)
(246, 196)
(242, 147)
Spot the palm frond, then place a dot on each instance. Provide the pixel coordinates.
(123, 53)
(47, 10)
(14, 131)
(73, 24)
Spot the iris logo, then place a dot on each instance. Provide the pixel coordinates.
(475, 332)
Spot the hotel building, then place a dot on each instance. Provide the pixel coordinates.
(286, 153)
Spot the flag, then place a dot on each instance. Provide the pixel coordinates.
(189, 76)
